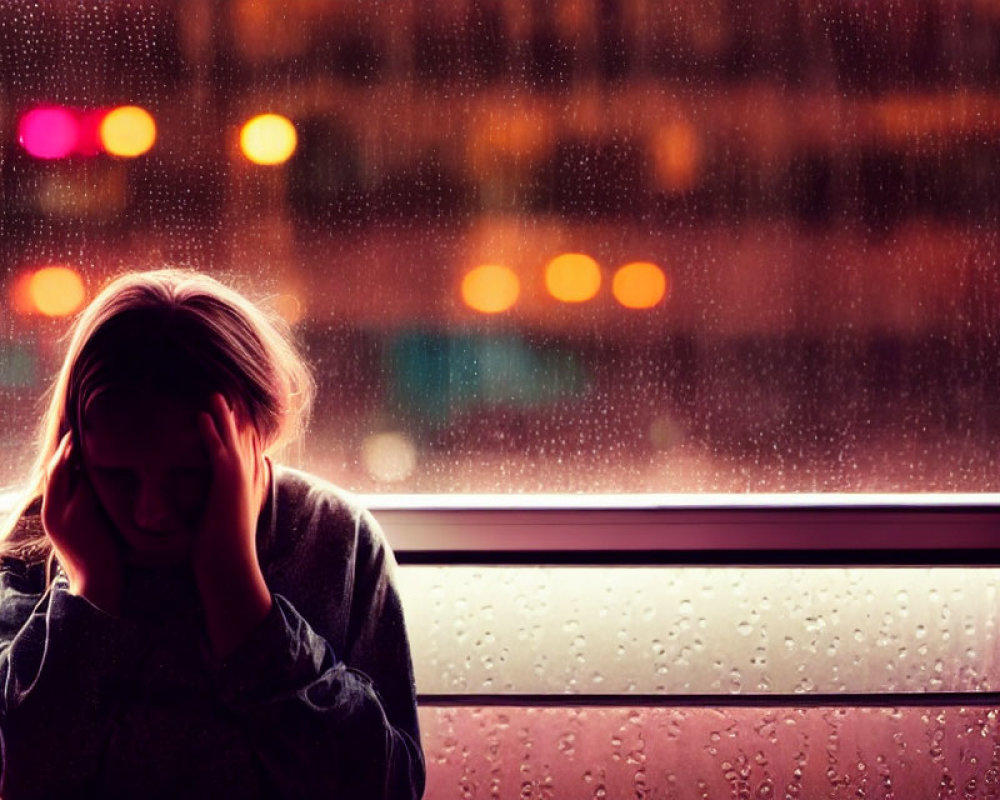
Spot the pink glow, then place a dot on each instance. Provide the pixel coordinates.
(693, 753)
(49, 132)
(88, 141)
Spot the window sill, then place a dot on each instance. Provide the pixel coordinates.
(820, 529)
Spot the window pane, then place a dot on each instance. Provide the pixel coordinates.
(607, 246)
(694, 753)
(701, 630)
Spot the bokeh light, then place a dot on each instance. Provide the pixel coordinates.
(389, 457)
(289, 307)
(128, 131)
(48, 132)
(498, 144)
(56, 291)
(490, 288)
(639, 285)
(268, 139)
(20, 294)
(573, 277)
(677, 157)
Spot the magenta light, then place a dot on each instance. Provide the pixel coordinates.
(88, 137)
(48, 132)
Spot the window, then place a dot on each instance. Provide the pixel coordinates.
(675, 253)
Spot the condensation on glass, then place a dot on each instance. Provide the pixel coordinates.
(704, 754)
(579, 245)
(698, 630)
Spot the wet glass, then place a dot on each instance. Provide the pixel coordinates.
(609, 246)
(706, 753)
(667, 632)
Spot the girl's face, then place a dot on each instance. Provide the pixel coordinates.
(145, 458)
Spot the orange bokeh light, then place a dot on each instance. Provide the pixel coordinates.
(573, 277)
(56, 291)
(490, 288)
(20, 295)
(677, 157)
(639, 285)
(289, 307)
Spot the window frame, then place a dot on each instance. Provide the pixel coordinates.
(794, 531)
(749, 530)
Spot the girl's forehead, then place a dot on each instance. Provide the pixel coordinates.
(123, 405)
(137, 424)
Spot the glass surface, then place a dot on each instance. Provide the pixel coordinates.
(708, 753)
(567, 246)
(701, 630)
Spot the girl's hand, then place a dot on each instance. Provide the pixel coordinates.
(233, 592)
(82, 536)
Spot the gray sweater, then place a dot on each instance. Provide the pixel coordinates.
(318, 703)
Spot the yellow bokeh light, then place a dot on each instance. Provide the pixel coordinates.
(573, 277)
(268, 139)
(389, 457)
(56, 291)
(128, 132)
(490, 288)
(639, 285)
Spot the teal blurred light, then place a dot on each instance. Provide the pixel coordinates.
(438, 375)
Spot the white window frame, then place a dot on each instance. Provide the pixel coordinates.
(833, 529)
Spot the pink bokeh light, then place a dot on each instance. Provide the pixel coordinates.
(49, 132)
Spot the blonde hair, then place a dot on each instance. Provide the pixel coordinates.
(177, 332)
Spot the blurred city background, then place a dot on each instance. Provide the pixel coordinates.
(540, 245)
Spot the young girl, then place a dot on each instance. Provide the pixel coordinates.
(179, 615)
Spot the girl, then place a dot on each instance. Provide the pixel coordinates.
(179, 615)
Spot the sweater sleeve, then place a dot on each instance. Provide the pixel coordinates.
(61, 667)
(329, 724)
